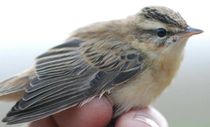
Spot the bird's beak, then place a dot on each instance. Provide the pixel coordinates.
(189, 31)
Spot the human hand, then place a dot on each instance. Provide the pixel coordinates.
(98, 113)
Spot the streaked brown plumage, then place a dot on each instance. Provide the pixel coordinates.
(130, 60)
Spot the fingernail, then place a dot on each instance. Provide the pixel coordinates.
(144, 119)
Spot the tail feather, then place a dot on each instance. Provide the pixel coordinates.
(16, 83)
(11, 85)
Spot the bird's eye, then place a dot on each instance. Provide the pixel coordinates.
(161, 32)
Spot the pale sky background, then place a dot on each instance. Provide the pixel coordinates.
(29, 27)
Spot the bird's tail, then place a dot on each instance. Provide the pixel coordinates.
(16, 84)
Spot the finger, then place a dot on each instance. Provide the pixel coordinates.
(96, 113)
(46, 122)
(148, 117)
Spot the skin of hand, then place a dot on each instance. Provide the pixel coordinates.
(98, 113)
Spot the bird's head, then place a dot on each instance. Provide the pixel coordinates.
(160, 28)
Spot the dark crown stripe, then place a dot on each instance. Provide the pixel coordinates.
(154, 14)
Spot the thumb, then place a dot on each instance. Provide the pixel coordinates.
(148, 117)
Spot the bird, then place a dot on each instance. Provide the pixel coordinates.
(130, 61)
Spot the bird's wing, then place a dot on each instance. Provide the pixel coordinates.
(74, 72)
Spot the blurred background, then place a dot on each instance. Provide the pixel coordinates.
(28, 28)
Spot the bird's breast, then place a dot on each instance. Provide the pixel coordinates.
(146, 86)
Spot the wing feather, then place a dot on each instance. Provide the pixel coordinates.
(70, 73)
